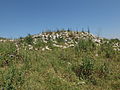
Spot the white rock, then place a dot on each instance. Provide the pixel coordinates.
(47, 48)
(96, 55)
(71, 45)
(81, 82)
(64, 47)
(97, 40)
(43, 49)
(30, 48)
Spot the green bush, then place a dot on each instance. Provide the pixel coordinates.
(29, 39)
(114, 40)
(85, 45)
(86, 69)
(107, 50)
(13, 79)
(39, 43)
(60, 40)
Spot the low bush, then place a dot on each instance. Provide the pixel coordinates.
(86, 69)
(13, 79)
(107, 50)
(85, 45)
(29, 39)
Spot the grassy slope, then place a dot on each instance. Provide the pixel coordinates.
(75, 68)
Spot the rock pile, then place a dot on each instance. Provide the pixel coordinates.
(59, 39)
(65, 39)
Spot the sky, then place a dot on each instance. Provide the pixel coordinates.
(19, 18)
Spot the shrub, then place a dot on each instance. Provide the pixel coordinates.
(29, 39)
(114, 40)
(59, 40)
(39, 43)
(50, 44)
(85, 45)
(13, 79)
(86, 69)
(107, 50)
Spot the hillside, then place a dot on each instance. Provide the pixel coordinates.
(60, 60)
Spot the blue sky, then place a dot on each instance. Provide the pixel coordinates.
(21, 17)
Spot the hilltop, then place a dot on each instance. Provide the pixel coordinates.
(61, 39)
(60, 60)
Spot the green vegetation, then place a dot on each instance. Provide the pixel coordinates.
(87, 66)
(29, 39)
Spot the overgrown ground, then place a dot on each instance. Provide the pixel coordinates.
(86, 66)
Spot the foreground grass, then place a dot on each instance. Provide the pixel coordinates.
(83, 67)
